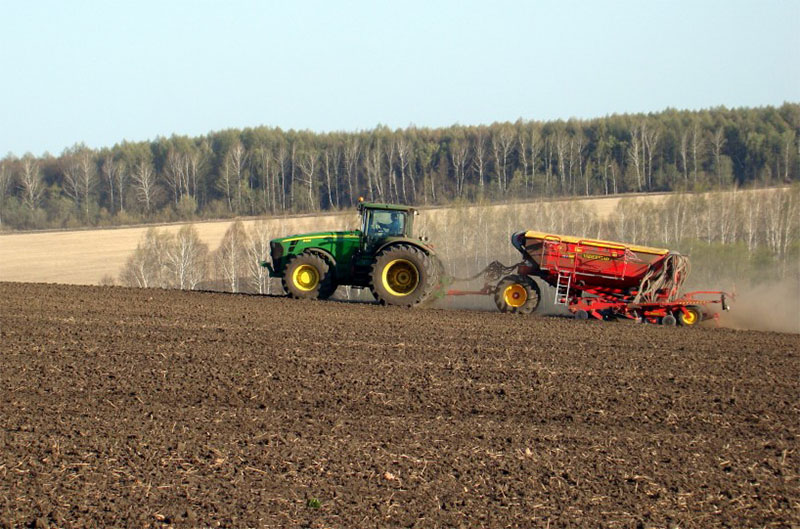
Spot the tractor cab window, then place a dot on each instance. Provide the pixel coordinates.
(384, 223)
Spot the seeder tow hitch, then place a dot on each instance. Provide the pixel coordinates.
(491, 275)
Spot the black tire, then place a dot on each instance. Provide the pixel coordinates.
(402, 275)
(438, 280)
(517, 294)
(691, 317)
(581, 314)
(328, 287)
(308, 276)
(668, 320)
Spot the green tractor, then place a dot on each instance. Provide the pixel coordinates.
(383, 255)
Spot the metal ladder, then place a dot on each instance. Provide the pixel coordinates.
(562, 288)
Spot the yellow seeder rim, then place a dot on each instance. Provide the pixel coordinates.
(595, 242)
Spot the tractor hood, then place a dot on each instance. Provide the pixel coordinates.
(318, 237)
(339, 245)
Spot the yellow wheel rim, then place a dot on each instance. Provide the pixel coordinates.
(305, 277)
(400, 277)
(689, 317)
(515, 295)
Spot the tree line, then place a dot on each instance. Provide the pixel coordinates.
(731, 237)
(269, 171)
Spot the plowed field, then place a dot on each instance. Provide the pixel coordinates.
(146, 408)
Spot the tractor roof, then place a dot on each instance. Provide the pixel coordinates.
(390, 207)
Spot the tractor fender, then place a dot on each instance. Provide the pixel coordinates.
(408, 242)
(325, 254)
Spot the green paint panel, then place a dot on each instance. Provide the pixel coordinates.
(340, 244)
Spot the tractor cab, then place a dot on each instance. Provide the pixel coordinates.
(380, 222)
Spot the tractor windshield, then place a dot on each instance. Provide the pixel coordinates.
(384, 223)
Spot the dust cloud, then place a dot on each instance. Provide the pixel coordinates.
(766, 307)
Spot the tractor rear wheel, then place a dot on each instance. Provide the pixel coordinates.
(517, 294)
(438, 279)
(308, 276)
(690, 316)
(402, 275)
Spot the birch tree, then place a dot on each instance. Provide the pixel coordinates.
(30, 182)
(121, 175)
(782, 220)
(752, 219)
(718, 142)
(351, 155)
(372, 166)
(403, 155)
(145, 183)
(392, 189)
(562, 143)
(195, 161)
(580, 150)
(231, 256)
(292, 166)
(148, 267)
(502, 143)
(282, 159)
(225, 184)
(535, 149)
(72, 183)
(329, 163)
(650, 144)
(458, 158)
(188, 258)
(480, 159)
(235, 162)
(308, 163)
(522, 151)
(88, 179)
(789, 140)
(258, 237)
(5, 185)
(176, 174)
(635, 156)
(79, 180)
(684, 151)
(697, 149)
(261, 166)
(108, 170)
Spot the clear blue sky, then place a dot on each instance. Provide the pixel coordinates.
(103, 71)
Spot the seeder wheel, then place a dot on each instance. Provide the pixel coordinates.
(581, 315)
(689, 316)
(668, 320)
(517, 294)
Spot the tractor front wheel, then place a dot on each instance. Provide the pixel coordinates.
(517, 294)
(402, 275)
(308, 276)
